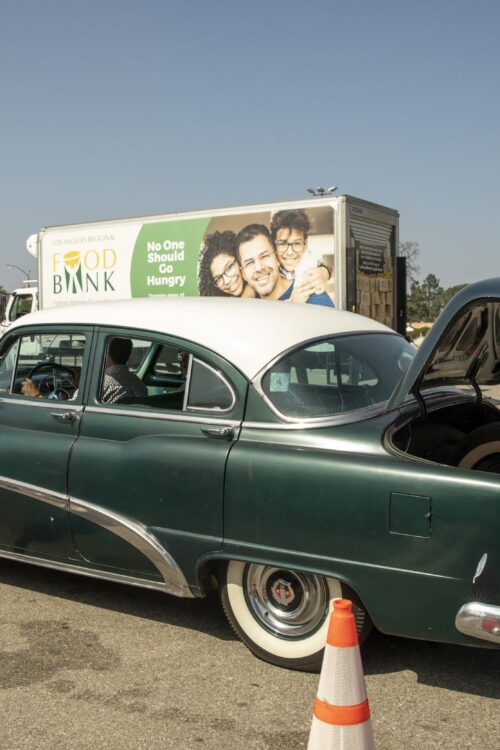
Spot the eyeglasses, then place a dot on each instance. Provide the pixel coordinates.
(252, 262)
(229, 272)
(297, 246)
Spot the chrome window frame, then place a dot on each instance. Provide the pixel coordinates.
(159, 412)
(220, 376)
(338, 418)
(17, 340)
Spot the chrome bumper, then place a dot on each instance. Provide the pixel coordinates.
(479, 621)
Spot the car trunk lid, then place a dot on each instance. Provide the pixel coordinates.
(462, 347)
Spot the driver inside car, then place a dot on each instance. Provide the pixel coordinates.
(29, 388)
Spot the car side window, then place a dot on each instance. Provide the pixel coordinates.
(169, 361)
(336, 375)
(208, 389)
(143, 373)
(46, 365)
(7, 366)
(122, 381)
(21, 306)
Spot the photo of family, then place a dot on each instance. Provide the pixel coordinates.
(285, 256)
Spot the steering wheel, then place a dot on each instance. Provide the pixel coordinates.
(53, 370)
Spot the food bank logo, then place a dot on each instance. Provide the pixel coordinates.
(77, 272)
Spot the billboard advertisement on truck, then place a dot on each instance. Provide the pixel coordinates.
(211, 255)
(339, 251)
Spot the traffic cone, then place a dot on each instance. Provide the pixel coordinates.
(341, 717)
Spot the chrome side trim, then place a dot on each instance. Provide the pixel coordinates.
(179, 417)
(41, 403)
(139, 537)
(66, 567)
(131, 531)
(317, 422)
(30, 490)
(356, 415)
(479, 621)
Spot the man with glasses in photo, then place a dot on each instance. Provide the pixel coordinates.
(258, 262)
(261, 271)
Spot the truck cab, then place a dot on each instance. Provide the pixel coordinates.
(22, 301)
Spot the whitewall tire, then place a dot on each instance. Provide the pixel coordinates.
(282, 615)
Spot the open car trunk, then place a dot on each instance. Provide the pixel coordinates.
(465, 435)
(457, 366)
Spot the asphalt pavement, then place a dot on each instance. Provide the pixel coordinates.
(86, 665)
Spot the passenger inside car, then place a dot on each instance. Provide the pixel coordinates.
(153, 376)
(119, 382)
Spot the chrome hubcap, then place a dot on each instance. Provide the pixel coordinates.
(285, 602)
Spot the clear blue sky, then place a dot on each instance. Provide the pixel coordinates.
(118, 108)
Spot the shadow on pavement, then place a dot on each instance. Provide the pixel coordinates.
(204, 615)
(460, 668)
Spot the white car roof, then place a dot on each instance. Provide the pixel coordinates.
(249, 333)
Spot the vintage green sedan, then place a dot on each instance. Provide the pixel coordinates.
(292, 453)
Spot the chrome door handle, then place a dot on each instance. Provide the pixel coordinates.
(64, 416)
(222, 433)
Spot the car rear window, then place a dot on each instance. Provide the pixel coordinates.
(337, 375)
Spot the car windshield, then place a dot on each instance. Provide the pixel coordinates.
(339, 374)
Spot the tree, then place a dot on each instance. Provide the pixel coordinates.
(425, 299)
(415, 306)
(433, 292)
(4, 295)
(450, 292)
(410, 251)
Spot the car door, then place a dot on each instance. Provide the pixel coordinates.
(36, 437)
(147, 472)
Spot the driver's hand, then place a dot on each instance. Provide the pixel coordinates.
(28, 388)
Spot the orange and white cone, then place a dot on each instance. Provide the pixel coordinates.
(341, 717)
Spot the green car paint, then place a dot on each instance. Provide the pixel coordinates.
(161, 499)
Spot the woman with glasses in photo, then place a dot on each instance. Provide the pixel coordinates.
(219, 273)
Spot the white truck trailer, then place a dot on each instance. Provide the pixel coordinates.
(159, 256)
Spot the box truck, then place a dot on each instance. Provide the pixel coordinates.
(165, 255)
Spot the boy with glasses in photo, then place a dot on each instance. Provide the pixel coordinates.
(289, 232)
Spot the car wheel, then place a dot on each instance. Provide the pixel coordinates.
(480, 449)
(282, 615)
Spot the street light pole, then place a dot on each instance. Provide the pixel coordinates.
(13, 267)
